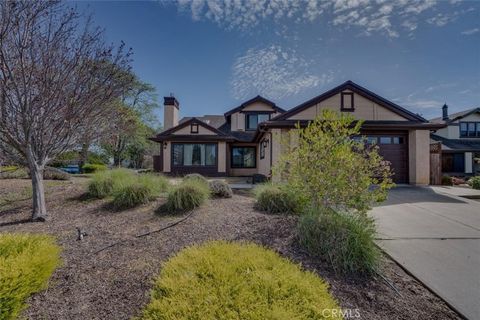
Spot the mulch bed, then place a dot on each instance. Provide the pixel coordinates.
(115, 283)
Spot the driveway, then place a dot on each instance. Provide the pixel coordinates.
(436, 237)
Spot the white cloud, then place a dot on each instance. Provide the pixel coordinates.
(370, 16)
(470, 31)
(441, 19)
(273, 72)
(424, 104)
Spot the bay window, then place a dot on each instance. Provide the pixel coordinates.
(194, 154)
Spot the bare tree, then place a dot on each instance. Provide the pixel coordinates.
(56, 73)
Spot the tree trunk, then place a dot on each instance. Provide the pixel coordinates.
(83, 155)
(39, 212)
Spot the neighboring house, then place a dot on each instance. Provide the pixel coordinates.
(247, 139)
(460, 141)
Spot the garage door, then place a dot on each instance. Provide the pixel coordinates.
(393, 148)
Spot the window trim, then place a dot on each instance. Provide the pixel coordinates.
(467, 124)
(342, 102)
(172, 148)
(243, 167)
(194, 128)
(250, 113)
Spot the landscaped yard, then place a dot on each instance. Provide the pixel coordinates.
(115, 283)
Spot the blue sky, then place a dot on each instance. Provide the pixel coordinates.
(212, 55)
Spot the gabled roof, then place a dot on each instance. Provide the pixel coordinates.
(458, 144)
(168, 133)
(350, 85)
(456, 116)
(251, 101)
(215, 121)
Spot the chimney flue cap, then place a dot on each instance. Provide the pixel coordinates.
(170, 101)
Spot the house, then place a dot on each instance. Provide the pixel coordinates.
(246, 140)
(460, 141)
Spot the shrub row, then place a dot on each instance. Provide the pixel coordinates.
(49, 173)
(344, 240)
(221, 280)
(26, 264)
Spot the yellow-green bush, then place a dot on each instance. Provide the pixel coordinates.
(277, 199)
(93, 167)
(221, 280)
(26, 263)
(188, 195)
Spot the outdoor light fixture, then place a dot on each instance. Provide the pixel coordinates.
(165, 145)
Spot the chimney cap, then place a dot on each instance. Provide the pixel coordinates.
(170, 101)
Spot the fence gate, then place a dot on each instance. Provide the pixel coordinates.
(436, 163)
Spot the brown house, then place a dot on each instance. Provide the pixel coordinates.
(246, 140)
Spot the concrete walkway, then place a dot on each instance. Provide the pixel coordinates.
(436, 237)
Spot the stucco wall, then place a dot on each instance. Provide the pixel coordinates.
(167, 157)
(170, 117)
(364, 109)
(419, 157)
(222, 159)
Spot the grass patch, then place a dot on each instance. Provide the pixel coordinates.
(277, 199)
(186, 196)
(344, 240)
(145, 188)
(221, 280)
(26, 263)
(126, 188)
(104, 183)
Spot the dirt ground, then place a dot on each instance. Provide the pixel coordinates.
(115, 283)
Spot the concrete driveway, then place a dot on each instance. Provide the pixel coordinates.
(436, 237)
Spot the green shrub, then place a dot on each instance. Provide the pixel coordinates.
(195, 177)
(51, 173)
(186, 196)
(344, 240)
(220, 189)
(93, 167)
(144, 189)
(19, 173)
(26, 264)
(131, 196)
(96, 158)
(221, 280)
(447, 181)
(474, 182)
(105, 183)
(277, 199)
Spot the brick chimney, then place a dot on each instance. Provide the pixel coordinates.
(445, 112)
(170, 115)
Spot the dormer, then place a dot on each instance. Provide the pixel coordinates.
(249, 114)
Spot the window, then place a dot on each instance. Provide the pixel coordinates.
(347, 101)
(469, 129)
(253, 119)
(385, 140)
(194, 128)
(194, 154)
(243, 157)
(263, 146)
